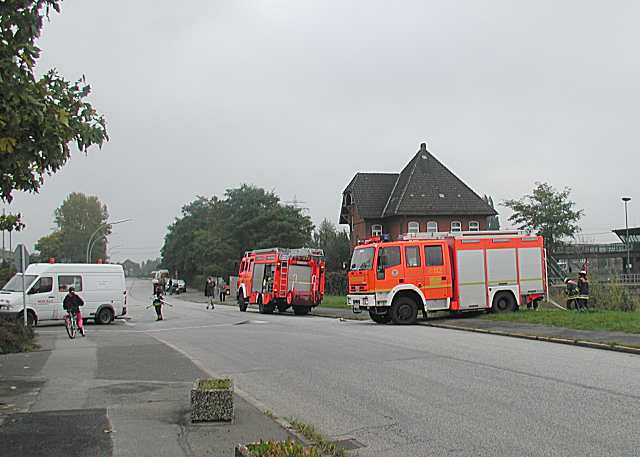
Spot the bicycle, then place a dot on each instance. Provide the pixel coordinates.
(71, 324)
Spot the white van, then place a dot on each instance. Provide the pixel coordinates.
(102, 287)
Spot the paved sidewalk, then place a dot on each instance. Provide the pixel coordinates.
(117, 392)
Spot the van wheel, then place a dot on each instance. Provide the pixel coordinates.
(404, 311)
(301, 310)
(104, 317)
(32, 321)
(380, 318)
(242, 303)
(503, 302)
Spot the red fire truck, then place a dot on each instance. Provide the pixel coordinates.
(464, 271)
(281, 278)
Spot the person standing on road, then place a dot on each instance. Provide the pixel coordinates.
(157, 305)
(223, 292)
(583, 288)
(72, 303)
(210, 292)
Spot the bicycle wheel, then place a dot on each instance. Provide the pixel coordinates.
(70, 325)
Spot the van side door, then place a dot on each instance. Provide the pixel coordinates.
(42, 298)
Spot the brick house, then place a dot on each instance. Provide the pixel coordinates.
(424, 197)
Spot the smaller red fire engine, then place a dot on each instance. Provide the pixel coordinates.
(280, 278)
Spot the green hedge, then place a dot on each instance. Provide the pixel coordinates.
(6, 273)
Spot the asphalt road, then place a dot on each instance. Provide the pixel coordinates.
(413, 391)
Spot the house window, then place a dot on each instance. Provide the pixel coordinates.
(432, 227)
(376, 230)
(456, 226)
(413, 227)
(474, 226)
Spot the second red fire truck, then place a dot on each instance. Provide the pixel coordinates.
(281, 278)
(464, 271)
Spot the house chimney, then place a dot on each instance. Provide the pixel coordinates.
(423, 147)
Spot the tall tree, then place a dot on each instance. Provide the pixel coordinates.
(212, 234)
(334, 242)
(39, 117)
(547, 211)
(77, 219)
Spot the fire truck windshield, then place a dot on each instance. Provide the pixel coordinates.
(362, 259)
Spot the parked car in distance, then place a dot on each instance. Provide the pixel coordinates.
(180, 286)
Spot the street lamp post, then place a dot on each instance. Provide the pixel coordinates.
(106, 224)
(626, 200)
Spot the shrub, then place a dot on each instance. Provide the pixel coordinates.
(6, 273)
(613, 297)
(15, 337)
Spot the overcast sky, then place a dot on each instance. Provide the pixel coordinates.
(296, 96)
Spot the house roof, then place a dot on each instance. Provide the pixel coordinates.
(424, 187)
(370, 192)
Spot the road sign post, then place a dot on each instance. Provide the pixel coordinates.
(21, 256)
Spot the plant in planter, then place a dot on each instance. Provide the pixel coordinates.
(287, 448)
(212, 400)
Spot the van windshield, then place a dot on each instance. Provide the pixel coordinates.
(362, 259)
(15, 283)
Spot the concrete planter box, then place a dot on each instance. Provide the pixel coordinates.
(212, 400)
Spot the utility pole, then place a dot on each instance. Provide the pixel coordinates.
(3, 216)
(626, 200)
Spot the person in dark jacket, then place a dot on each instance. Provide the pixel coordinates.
(157, 305)
(572, 293)
(72, 303)
(210, 292)
(583, 289)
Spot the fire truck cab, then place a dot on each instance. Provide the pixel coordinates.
(281, 278)
(463, 271)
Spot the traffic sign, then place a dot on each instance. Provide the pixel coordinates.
(21, 257)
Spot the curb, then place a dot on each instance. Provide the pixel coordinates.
(548, 339)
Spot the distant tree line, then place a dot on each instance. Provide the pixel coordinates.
(212, 234)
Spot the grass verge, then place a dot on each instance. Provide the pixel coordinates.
(325, 445)
(614, 321)
(15, 337)
(334, 301)
(287, 448)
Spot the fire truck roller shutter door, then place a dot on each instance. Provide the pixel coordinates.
(502, 272)
(471, 279)
(531, 271)
(258, 276)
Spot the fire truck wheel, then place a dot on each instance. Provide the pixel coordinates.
(283, 307)
(242, 303)
(404, 311)
(380, 318)
(301, 310)
(504, 302)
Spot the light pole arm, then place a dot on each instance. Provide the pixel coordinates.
(106, 224)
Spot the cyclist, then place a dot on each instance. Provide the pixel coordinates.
(72, 303)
